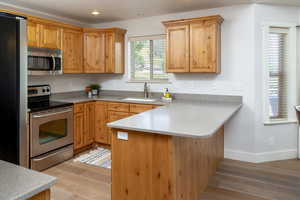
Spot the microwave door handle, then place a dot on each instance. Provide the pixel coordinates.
(53, 67)
(51, 114)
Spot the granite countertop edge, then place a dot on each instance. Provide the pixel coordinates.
(120, 124)
(36, 191)
(186, 134)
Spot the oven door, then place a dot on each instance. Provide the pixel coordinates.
(51, 130)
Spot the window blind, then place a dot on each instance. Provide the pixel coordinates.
(147, 58)
(278, 77)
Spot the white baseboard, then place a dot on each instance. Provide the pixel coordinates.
(261, 157)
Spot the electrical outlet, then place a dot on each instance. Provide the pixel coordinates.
(122, 135)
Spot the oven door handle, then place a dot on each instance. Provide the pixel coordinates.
(51, 114)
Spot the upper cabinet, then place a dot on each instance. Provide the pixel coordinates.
(193, 45)
(104, 50)
(50, 36)
(43, 35)
(94, 52)
(72, 46)
(33, 34)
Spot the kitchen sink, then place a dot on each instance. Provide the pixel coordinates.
(140, 100)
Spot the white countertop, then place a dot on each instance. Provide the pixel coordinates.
(181, 118)
(18, 183)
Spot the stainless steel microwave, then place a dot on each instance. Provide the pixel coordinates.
(43, 61)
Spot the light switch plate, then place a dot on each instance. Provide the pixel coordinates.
(122, 135)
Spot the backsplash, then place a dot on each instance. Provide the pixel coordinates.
(63, 83)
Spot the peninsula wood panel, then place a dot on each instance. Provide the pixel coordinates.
(195, 163)
(178, 48)
(33, 34)
(153, 167)
(94, 52)
(204, 47)
(50, 36)
(101, 118)
(45, 195)
(141, 167)
(72, 51)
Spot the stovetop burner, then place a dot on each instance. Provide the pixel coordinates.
(39, 99)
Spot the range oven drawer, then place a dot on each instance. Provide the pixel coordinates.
(51, 158)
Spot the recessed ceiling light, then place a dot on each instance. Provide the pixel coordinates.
(95, 12)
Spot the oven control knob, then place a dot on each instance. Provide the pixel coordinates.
(44, 90)
(48, 90)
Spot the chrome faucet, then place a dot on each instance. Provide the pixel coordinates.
(146, 91)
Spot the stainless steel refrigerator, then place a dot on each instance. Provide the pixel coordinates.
(13, 89)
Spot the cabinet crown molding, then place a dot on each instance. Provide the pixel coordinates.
(216, 18)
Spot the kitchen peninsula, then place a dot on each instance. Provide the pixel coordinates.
(172, 151)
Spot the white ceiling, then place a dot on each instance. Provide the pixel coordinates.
(113, 10)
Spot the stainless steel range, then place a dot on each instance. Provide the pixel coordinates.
(51, 129)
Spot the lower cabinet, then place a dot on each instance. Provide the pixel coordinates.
(101, 116)
(84, 124)
(90, 120)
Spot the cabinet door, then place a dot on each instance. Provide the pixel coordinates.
(72, 50)
(33, 34)
(78, 130)
(204, 47)
(89, 123)
(178, 48)
(101, 130)
(50, 36)
(94, 52)
(110, 52)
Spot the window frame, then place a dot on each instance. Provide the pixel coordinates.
(130, 74)
(291, 73)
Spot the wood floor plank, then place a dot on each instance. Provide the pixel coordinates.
(77, 181)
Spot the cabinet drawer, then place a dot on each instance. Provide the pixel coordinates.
(121, 107)
(138, 108)
(114, 116)
(79, 108)
(156, 106)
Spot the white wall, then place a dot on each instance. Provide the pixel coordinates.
(277, 138)
(237, 67)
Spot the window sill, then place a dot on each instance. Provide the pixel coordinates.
(278, 122)
(149, 81)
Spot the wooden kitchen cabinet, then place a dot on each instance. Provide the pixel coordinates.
(33, 34)
(193, 45)
(178, 49)
(72, 51)
(89, 123)
(205, 46)
(104, 50)
(84, 124)
(50, 36)
(101, 118)
(94, 53)
(90, 120)
(78, 129)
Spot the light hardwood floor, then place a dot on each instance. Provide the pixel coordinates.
(78, 181)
